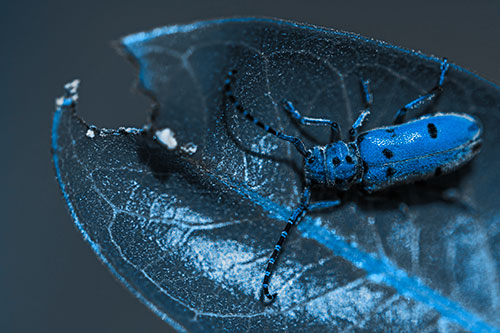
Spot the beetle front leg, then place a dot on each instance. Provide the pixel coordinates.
(368, 101)
(290, 108)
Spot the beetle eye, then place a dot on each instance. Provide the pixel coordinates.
(311, 159)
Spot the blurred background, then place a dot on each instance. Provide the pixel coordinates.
(50, 280)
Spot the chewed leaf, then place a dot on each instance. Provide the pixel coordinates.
(186, 211)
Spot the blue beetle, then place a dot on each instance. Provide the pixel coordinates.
(375, 159)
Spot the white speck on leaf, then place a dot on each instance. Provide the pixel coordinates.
(72, 86)
(71, 94)
(60, 101)
(90, 133)
(167, 137)
(189, 148)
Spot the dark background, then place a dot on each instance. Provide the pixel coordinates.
(50, 280)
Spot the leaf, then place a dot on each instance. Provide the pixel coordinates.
(189, 230)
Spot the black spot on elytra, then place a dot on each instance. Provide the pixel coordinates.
(431, 128)
(391, 131)
(349, 159)
(438, 171)
(335, 161)
(472, 127)
(390, 172)
(387, 153)
(477, 147)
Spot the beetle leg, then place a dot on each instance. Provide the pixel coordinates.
(290, 108)
(429, 96)
(368, 101)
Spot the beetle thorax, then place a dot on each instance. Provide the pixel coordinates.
(334, 165)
